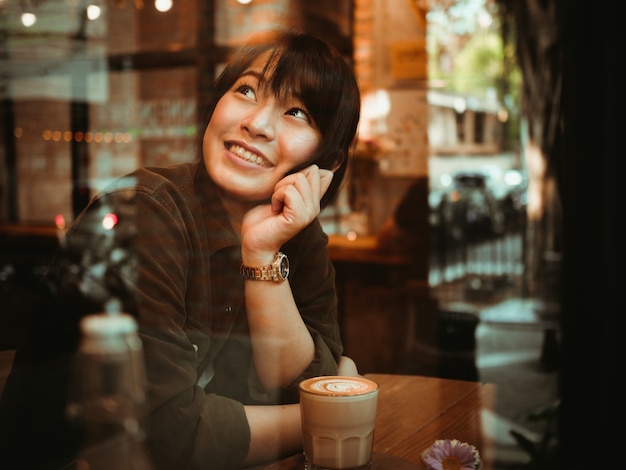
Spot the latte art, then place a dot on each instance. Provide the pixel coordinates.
(339, 386)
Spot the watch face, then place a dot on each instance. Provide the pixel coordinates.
(284, 267)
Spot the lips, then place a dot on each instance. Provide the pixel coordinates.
(247, 155)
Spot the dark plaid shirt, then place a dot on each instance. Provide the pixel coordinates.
(188, 296)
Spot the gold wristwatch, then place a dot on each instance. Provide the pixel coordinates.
(277, 271)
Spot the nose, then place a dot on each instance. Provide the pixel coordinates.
(260, 122)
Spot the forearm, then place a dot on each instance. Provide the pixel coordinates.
(275, 432)
(281, 343)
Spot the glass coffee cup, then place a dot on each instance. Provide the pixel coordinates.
(338, 420)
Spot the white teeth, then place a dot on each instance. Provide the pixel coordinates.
(246, 154)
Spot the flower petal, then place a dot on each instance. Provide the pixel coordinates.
(466, 454)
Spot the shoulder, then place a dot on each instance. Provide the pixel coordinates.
(168, 192)
(149, 179)
(171, 187)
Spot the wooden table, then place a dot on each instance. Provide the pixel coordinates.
(413, 412)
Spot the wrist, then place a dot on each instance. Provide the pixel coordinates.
(257, 257)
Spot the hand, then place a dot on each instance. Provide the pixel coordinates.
(347, 366)
(293, 206)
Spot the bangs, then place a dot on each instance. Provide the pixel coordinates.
(300, 70)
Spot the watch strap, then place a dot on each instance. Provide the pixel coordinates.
(261, 273)
(271, 272)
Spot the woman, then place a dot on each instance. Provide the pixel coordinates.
(225, 344)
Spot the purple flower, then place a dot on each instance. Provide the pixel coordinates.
(451, 454)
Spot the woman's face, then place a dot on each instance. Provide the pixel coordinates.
(254, 138)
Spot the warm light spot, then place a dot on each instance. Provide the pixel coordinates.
(29, 19)
(108, 137)
(67, 136)
(351, 235)
(128, 137)
(18, 132)
(47, 134)
(119, 137)
(56, 136)
(97, 137)
(93, 12)
(78, 137)
(109, 221)
(163, 5)
(59, 221)
(88, 137)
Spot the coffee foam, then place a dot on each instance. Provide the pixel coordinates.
(338, 386)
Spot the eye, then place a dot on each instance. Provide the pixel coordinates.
(246, 90)
(299, 113)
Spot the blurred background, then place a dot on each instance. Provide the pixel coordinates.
(92, 89)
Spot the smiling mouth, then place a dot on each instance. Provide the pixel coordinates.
(246, 155)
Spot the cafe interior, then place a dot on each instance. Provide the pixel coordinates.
(496, 316)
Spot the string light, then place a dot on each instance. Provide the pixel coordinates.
(93, 11)
(79, 136)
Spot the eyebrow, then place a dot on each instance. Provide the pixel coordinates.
(266, 81)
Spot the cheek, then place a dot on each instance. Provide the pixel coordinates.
(218, 124)
(219, 114)
(301, 147)
(207, 142)
(210, 151)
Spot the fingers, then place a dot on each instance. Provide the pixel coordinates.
(297, 197)
(346, 366)
(318, 179)
(294, 204)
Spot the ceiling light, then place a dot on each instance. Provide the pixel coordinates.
(163, 5)
(28, 19)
